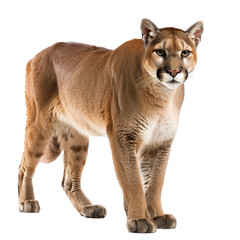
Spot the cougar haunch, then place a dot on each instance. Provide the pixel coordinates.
(132, 94)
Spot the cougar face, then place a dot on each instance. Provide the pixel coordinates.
(170, 55)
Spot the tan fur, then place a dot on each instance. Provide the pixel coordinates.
(76, 90)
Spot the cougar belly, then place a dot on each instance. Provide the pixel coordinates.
(83, 125)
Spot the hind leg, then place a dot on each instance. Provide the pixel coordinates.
(75, 154)
(36, 140)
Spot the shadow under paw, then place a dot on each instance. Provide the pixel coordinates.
(166, 221)
(94, 211)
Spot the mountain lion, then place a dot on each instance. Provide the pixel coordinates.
(132, 94)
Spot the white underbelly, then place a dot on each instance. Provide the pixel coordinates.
(84, 126)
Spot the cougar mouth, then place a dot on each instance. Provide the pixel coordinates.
(173, 81)
(167, 79)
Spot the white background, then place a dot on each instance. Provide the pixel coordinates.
(202, 181)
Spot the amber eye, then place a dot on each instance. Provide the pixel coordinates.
(160, 52)
(185, 53)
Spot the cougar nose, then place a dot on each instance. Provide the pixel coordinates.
(173, 72)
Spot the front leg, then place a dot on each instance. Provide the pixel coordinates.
(153, 166)
(123, 147)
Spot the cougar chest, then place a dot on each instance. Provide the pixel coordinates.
(162, 127)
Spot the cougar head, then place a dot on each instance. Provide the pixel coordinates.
(170, 53)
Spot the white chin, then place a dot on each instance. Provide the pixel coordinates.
(171, 84)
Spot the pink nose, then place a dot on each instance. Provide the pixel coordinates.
(173, 72)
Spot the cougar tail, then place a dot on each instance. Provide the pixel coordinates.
(52, 151)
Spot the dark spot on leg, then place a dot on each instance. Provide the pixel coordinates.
(54, 146)
(78, 159)
(41, 137)
(38, 155)
(55, 142)
(29, 153)
(65, 137)
(130, 138)
(76, 148)
(72, 136)
(85, 148)
(103, 113)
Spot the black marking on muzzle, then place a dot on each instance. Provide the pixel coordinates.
(186, 75)
(159, 73)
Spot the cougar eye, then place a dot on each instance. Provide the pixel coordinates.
(160, 52)
(185, 53)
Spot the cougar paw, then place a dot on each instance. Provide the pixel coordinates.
(94, 211)
(141, 226)
(29, 206)
(166, 221)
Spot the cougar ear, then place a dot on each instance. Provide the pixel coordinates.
(149, 30)
(195, 32)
